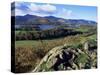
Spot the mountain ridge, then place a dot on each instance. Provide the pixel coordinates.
(33, 19)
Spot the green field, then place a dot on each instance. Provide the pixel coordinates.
(26, 43)
(68, 40)
(85, 28)
(94, 37)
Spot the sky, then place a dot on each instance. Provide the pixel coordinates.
(57, 10)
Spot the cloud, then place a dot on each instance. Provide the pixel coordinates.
(33, 7)
(64, 13)
(46, 9)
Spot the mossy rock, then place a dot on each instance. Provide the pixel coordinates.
(82, 58)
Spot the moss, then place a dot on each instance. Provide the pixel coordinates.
(44, 67)
(82, 58)
(75, 46)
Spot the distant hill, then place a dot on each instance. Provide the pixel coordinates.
(37, 20)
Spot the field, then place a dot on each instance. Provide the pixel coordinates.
(34, 43)
(69, 39)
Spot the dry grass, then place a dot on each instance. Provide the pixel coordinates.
(25, 59)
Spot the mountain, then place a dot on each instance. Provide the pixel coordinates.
(37, 20)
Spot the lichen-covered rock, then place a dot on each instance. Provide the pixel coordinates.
(49, 59)
(67, 58)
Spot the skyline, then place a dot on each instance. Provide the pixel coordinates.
(57, 10)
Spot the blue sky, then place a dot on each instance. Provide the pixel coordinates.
(57, 10)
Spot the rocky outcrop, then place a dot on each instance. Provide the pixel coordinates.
(49, 59)
(67, 58)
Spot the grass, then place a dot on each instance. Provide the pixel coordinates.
(94, 37)
(26, 43)
(70, 40)
(24, 59)
(85, 28)
(60, 41)
(82, 29)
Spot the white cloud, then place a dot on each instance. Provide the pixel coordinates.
(48, 8)
(33, 7)
(65, 13)
(39, 10)
(42, 8)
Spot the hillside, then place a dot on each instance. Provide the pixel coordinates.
(51, 20)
